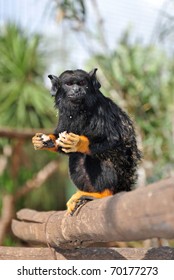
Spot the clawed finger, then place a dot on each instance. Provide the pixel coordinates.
(73, 137)
(70, 150)
(39, 135)
(64, 141)
(36, 142)
(64, 144)
(69, 138)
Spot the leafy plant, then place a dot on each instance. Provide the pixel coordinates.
(24, 100)
(140, 79)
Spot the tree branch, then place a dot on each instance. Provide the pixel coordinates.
(22, 134)
(37, 180)
(144, 213)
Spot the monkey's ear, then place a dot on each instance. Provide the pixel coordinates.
(94, 80)
(55, 84)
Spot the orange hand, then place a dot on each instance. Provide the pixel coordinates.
(71, 142)
(72, 203)
(45, 142)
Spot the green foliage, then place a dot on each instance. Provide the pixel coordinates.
(140, 79)
(24, 100)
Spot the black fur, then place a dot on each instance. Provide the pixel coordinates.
(84, 110)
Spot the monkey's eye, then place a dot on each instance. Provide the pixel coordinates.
(82, 83)
(69, 83)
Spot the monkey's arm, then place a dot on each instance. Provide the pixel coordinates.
(45, 142)
(71, 142)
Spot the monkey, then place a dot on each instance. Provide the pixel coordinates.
(96, 134)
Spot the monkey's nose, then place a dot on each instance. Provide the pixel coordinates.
(75, 89)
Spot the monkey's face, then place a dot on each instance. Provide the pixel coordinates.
(74, 86)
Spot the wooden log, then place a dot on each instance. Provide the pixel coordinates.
(137, 215)
(20, 253)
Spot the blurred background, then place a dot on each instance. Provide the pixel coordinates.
(132, 45)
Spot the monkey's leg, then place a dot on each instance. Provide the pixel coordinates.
(77, 199)
(45, 142)
(71, 142)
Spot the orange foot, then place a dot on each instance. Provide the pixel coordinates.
(72, 143)
(79, 197)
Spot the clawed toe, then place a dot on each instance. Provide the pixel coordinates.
(75, 202)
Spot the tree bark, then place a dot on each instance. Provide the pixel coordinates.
(13, 253)
(144, 213)
(20, 134)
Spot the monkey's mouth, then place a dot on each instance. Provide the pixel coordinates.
(76, 96)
